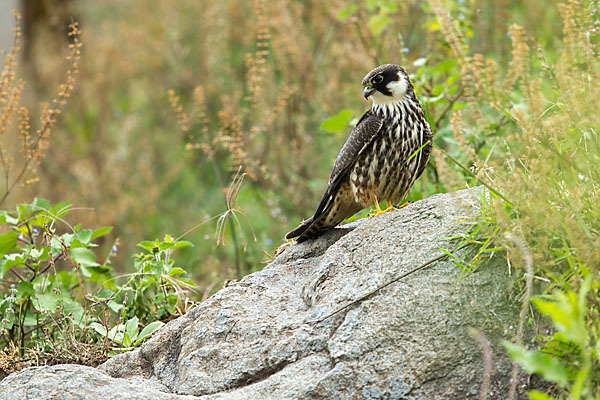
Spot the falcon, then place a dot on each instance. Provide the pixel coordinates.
(383, 157)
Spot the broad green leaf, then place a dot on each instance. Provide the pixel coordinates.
(126, 340)
(183, 243)
(7, 218)
(30, 319)
(83, 257)
(148, 330)
(101, 329)
(70, 306)
(38, 204)
(102, 232)
(536, 362)
(147, 245)
(85, 236)
(67, 238)
(132, 329)
(67, 278)
(116, 306)
(25, 290)
(105, 280)
(8, 242)
(116, 333)
(165, 245)
(9, 261)
(46, 301)
(177, 271)
(337, 123)
(378, 23)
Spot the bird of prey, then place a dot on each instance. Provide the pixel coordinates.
(385, 154)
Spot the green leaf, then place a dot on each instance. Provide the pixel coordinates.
(25, 290)
(83, 257)
(535, 395)
(85, 236)
(148, 330)
(101, 329)
(378, 23)
(70, 306)
(177, 271)
(183, 243)
(9, 261)
(60, 210)
(105, 280)
(126, 340)
(337, 123)
(567, 314)
(116, 333)
(116, 306)
(102, 232)
(147, 245)
(46, 301)
(8, 242)
(132, 329)
(347, 12)
(5, 217)
(187, 281)
(536, 362)
(38, 204)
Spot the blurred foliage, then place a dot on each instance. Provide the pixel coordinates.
(220, 121)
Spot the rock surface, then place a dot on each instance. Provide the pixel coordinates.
(261, 338)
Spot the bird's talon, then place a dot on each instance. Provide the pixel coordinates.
(397, 207)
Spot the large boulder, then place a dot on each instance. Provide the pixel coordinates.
(269, 336)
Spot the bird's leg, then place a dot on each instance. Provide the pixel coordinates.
(378, 210)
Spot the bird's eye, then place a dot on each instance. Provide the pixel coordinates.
(378, 79)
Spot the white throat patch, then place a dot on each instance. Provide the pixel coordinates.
(397, 88)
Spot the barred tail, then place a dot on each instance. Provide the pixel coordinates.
(300, 229)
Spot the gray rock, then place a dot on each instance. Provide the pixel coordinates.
(263, 338)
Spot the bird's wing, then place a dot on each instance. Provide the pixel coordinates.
(363, 133)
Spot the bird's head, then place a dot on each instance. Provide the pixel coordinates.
(387, 83)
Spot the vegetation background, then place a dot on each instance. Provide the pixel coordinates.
(218, 123)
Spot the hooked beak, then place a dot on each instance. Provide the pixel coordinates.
(368, 91)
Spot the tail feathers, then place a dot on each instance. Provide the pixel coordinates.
(312, 228)
(315, 229)
(300, 229)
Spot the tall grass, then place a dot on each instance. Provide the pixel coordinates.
(531, 133)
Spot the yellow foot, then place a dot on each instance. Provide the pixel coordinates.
(402, 206)
(379, 211)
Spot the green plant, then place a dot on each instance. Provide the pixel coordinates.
(56, 294)
(528, 131)
(569, 357)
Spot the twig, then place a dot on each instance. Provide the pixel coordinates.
(448, 107)
(17, 274)
(467, 170)
(396, 279)
(51, 262)
(487, 362)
